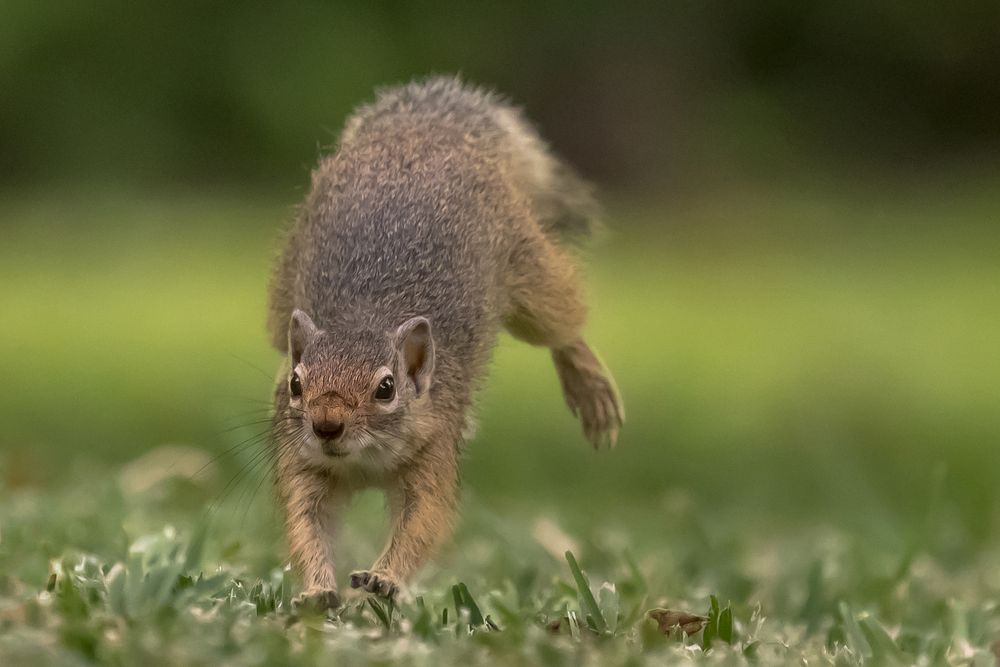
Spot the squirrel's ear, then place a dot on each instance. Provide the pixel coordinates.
(301, 330)
(416, 351)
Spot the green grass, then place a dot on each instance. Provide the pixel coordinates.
(810, 460)
(498, 594)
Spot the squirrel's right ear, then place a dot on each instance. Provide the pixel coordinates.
(416, 349)
(301, 330)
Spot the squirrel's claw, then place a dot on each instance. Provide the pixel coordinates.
(590, 394)
(316, 601)
(601, 420)
(375, 581)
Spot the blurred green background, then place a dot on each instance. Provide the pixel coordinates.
(799, 296)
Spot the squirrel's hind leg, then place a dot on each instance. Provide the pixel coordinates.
(547, 309)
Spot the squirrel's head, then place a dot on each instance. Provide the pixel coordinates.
(356, 396)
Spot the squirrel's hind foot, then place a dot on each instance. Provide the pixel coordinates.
(590, 393)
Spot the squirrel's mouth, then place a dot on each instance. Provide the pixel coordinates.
(330, 449)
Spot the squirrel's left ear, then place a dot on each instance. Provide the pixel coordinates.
(415, 346)
(301, 330)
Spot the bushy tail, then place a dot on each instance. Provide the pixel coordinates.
(562, 200)
(566, 205)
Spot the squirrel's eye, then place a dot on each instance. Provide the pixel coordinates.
(386, 389)
(295, 385)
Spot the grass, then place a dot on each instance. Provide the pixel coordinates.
(776, 598)
(810, 462)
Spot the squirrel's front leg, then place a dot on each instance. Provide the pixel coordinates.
(422, 502)
(308, 523)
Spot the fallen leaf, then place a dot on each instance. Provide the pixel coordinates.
(668, 619)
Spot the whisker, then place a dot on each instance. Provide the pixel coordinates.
(246, 399)
(257, 422)
(261, 465)
(297, 438)
(235, 481)
(242, 444)
(269, 376)
(262, 413)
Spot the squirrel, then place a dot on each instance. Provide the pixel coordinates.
(440, 219)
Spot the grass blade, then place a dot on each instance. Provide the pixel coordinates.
(726, 624)
(586, 595)
(380, 612)
(884, 648)
(195, 548)
(609, 602)
(712, 627)
(853, 634)
(475, 615)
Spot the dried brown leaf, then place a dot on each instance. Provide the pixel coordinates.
(669, 619)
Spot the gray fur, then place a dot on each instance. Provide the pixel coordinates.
(417, 213)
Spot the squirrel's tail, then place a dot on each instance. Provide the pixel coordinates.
(563, 202)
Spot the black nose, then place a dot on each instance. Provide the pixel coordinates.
(328, 430)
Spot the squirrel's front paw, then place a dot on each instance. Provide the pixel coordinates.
(316, 601)
(378, 582)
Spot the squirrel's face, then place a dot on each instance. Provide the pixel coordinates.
(355, 404)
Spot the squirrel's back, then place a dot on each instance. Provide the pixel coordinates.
(430, 190)
(562, 203)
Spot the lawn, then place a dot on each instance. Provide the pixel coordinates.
(811, 461)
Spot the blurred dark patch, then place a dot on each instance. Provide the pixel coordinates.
(638, 95)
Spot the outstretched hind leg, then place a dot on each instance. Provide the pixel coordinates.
(547, 309)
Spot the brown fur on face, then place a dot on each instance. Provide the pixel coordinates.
(333, 365)
(338, 387)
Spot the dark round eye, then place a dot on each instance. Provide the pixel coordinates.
(386, 389)
(295, 385)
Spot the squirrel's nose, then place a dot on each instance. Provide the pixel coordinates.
(328, 430)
